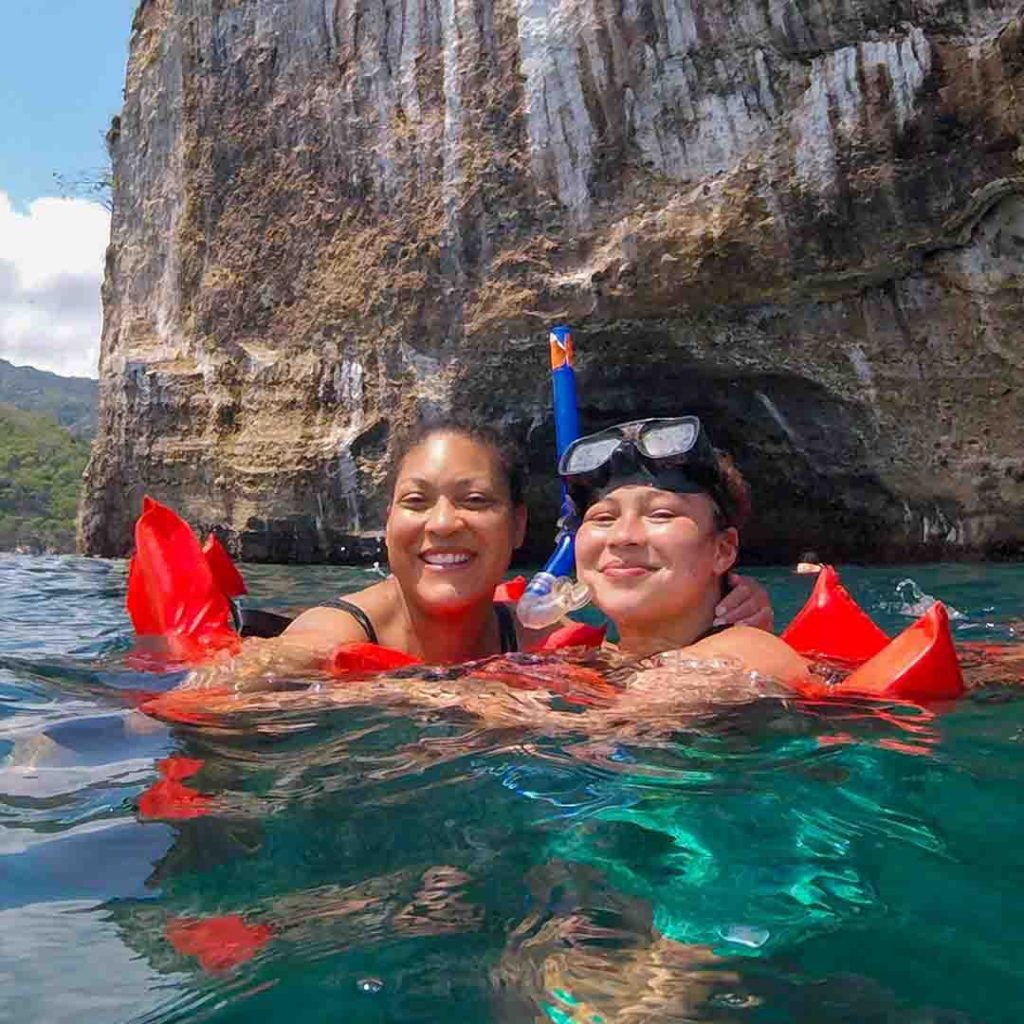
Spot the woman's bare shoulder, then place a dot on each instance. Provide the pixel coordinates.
(325, 626)
(337, 626)
(757, 650)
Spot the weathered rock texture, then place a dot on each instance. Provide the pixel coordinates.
(802, 219)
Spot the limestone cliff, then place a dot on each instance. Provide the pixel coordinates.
(801, 219)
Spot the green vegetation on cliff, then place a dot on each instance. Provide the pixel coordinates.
(41, 467)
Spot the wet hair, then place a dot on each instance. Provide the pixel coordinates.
(737, 490)
(510, 455)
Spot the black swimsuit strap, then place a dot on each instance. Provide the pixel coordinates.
(506, 629)
(506, 624)
(358, 614)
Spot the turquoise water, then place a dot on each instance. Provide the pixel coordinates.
(769, 863)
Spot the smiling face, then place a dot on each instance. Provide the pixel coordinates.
(451, 527)
(651, 556)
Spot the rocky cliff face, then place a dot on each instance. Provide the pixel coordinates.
(801, 219)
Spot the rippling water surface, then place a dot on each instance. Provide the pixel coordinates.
(765, 863)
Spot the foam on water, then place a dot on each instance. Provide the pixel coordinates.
(913, 602)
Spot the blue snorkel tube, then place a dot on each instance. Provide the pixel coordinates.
(552, 593)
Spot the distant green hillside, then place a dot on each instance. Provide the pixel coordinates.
(71, 401)
(41, 467)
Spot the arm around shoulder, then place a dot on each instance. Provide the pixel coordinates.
(746, 604)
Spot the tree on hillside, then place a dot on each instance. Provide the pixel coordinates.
(41, 468)
(95, 185)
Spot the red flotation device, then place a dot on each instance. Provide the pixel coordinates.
(573, 634)
(218, 943)
(173, 593)
(169, 799)
(225, 574)
(832, 625)
(918, 665)
(366, 659)
(510, 591)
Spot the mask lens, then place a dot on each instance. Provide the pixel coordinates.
(590, 455)
(662, 440)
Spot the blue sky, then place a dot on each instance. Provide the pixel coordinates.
(61, 76)
(62, 65)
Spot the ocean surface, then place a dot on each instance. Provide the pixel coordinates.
(770, 862)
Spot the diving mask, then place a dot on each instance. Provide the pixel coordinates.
(673, 454)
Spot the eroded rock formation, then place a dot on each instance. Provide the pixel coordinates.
(802, 219)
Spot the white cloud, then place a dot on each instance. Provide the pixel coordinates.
(51, 269)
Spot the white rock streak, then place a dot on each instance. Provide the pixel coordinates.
(690, 119)
(458, 27)
(408, 53)
(558, 123)
(835, 103)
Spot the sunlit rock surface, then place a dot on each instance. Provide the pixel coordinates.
(801, 219)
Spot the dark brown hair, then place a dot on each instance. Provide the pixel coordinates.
(510, 456)
(737, 490)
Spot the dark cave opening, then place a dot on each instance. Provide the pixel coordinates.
(810, 457)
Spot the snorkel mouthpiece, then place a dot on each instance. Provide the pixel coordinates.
(552, 594)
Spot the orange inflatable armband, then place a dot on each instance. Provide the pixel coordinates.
(832, 625)
(919, 665)
(363, 659)
(575, 634)
(218, 943)
(171, 588)
(140, 609)
(168, 798)
(510, 590)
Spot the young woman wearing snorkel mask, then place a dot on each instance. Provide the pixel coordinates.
(660, 511)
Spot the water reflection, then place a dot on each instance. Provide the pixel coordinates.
(667, 848)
